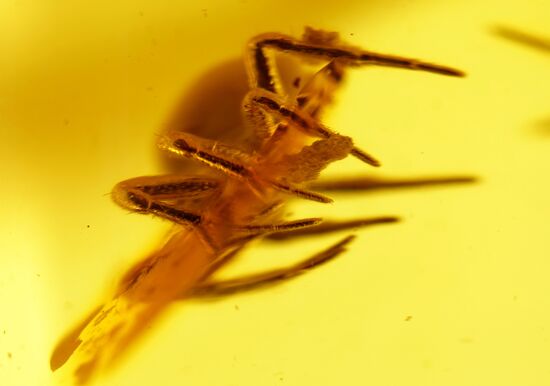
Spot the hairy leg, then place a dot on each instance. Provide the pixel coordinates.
(232, 163)
(263, 75)
(332, 226)
(293, 114)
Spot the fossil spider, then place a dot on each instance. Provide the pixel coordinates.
(219, 214)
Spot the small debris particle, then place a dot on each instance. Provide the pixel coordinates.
(9, 355)
(408, 318)
(66, 122)
(149, 88)
(88, 225)
(296, 82)
(237, 307)
(204, 12)
(351, 34)
(38, 275)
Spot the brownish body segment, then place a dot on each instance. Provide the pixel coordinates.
(219, 214)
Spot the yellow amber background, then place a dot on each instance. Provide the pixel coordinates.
(456, 294)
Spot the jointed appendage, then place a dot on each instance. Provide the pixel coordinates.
(267, 96)
(232, 163)
(291, 113)
(263, 76)
(332, 226)
(164, 196)
(172, 196)
(255, 281)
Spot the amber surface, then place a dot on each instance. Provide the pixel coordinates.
(455, 294)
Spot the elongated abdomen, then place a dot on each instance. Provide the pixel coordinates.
(106, 334)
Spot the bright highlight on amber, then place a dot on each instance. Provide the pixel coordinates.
(241, 200)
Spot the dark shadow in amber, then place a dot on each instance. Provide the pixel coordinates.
(543, 126)
(351, 185)
(354, 185)
(211, 108)
(522, 37)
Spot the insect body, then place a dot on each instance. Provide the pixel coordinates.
(218, 214)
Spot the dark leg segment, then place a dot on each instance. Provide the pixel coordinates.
(230, 161)
(252, 282)
(165, 196)
(171, 186)
(262, 75)
(280, 227)
(331, 226)
(292, 113)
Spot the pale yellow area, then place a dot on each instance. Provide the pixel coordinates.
(456, 294)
